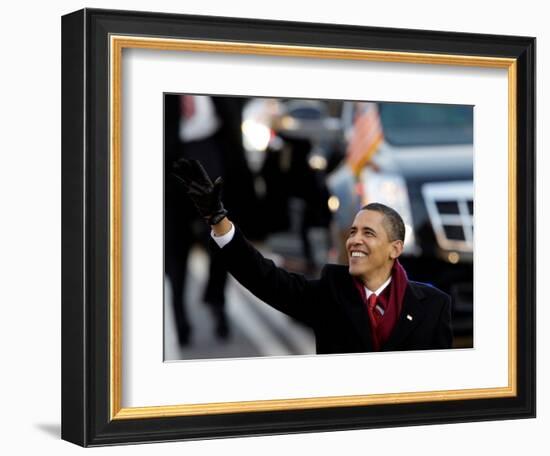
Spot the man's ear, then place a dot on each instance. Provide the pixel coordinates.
(396, 249)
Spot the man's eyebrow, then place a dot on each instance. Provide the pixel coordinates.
(364, 228)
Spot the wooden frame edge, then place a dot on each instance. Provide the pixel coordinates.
(120, 42)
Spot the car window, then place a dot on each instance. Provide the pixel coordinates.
(414, 124)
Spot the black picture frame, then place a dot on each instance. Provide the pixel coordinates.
(88, 412)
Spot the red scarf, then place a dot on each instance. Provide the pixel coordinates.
(391, 300)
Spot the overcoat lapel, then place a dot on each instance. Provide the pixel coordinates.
(351, 301)
(412, 313)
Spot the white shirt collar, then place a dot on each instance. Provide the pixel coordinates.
(380, 289)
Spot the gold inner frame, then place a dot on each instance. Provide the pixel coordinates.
(117, 44)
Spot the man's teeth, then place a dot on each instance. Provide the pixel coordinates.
(358, 254)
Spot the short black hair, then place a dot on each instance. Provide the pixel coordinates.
(392, 220)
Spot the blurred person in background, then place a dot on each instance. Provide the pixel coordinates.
(368, 305)
(209, 129)
(296, 192)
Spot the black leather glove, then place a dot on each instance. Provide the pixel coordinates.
(206, 196)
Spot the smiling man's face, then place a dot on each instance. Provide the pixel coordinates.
(371, 253)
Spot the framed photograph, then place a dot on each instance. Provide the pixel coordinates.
(322, 133)
(295, 174)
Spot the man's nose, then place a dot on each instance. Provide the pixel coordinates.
(355, 240)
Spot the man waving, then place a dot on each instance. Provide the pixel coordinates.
(369, 305)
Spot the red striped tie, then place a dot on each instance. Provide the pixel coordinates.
(371, 305)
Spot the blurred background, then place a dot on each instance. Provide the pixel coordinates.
(295, 173)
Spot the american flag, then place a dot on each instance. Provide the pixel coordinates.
(365, 138)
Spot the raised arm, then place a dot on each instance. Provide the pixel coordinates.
(290, 293)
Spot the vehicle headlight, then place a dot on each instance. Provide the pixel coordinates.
(391, 190)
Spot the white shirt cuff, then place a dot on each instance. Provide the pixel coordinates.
(224, 239)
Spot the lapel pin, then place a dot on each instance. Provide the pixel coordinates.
(409, 317)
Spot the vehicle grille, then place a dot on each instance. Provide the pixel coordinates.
(450, 206)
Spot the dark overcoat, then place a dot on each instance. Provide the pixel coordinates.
(333, 307)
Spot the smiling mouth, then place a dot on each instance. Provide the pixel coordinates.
(356, 254)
